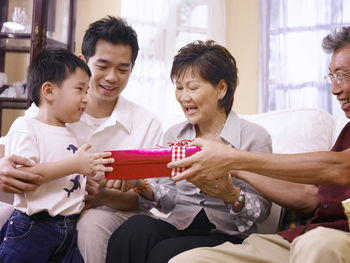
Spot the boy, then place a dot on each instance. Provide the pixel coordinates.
(110, 48)
(42, 227)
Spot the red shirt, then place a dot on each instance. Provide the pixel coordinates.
(330, 212)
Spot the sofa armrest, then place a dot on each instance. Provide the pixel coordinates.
(272, 223)
(294, 131)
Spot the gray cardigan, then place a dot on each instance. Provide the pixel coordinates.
(184, 200)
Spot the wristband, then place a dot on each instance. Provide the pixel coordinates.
(143, 189)
(240, 199)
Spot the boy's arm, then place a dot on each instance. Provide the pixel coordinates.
(81, 162)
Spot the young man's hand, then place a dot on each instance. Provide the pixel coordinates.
(95, 189)
(15, 181)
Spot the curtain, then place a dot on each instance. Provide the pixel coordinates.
(292, 62)
(163, 27)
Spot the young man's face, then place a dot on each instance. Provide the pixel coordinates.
(111, 67)
(71, 97)
(340, 64)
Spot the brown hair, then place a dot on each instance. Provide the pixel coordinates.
(212, 62)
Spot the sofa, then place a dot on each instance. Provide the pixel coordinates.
(296, 131)
(292, 131)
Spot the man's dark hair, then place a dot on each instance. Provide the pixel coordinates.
(110, 29)
(52, 65)
(212, 62)
(338, 38)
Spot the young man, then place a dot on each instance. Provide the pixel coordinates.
(57, 82)
(326, 238)
(110, 122)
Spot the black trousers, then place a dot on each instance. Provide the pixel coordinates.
(145, 239)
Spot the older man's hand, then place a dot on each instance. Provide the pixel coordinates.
(206, 165)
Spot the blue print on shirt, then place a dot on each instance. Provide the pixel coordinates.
(76, 180)
(72, 147)
(76, 185)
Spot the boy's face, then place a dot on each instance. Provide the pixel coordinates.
(111, 67)
(71, 97)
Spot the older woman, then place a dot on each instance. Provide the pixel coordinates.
(202, 214)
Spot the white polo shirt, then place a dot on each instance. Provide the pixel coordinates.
(128, 127)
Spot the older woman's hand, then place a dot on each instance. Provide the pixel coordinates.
(221, 187)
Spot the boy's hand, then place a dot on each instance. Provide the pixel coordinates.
(90, 163)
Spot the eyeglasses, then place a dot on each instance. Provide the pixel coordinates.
(340, 78)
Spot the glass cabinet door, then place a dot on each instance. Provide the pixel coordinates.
(61, 23)
(29, 25)
(54, 24)
(15, 24)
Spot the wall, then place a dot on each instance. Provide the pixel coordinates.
(242, 40)
(89, 11)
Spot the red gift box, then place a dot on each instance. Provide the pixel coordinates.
(147, 163)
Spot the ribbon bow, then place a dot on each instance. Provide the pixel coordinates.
(178, 152)
(180, 143)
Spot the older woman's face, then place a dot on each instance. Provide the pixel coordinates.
(198, 98)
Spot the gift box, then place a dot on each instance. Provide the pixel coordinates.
(147, 163)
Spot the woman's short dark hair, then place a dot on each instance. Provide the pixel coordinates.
(110, 29)
(52, 65)
(212, 62)
(338, 38)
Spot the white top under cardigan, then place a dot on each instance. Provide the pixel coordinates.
(184, 200)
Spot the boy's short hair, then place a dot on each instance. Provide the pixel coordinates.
(52, 65)
(110, 29)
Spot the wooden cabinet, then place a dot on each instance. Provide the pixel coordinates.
(29, 25)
